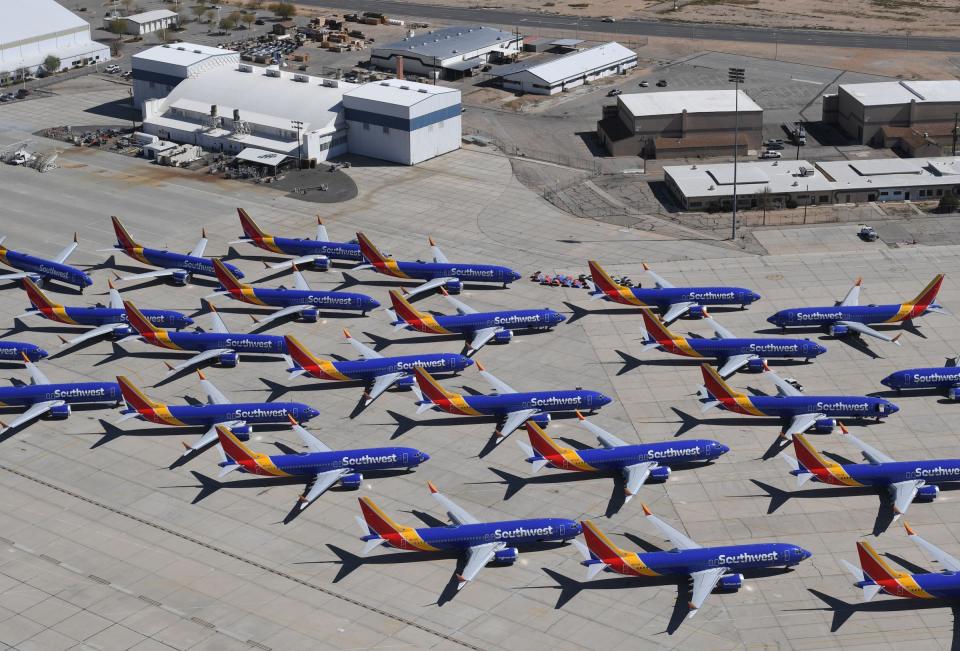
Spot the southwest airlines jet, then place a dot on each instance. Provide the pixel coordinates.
(732, 353)
(42, 397)
(905, 481)
(800, 412)
(17, 351)
(943, 378)
(875, 574)
(42, 269)
(178, 266)
(478, 327)
(848, 316)
(322, 466)
(317, 252)
(673, 302)
(483, 542)
(219, 411)
(637, 463)
(510, 406)
(708, 567)
(439, 273)
(379, 373)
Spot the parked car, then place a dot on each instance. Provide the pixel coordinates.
(775, 141)
(770, 154)
(774, 145)
(112, 69)
(127, 74)
(259, 21)
(608, 19)
(485, 69)
(644, 83)
(662, 83)
(614, 92)
(867, 233)
(23, 92)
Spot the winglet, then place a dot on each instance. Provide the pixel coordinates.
(858, 283)
(480, 366)
(293, 421)
(294, 267)
(110, 284)
(910, 531)
(646, 267)
(168, 365)
(580, 416)
(430, 239)
(433, 489)
(346, 333)
(896, 340)
(319, 221)
(843, 429)
(200, 373)
(443, 290)
(24, 356)
(203, 233)
(646, 509)
(703, 310)
(766, 368)
(185, 446)
(76, 241)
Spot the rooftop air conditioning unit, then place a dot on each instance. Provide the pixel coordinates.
(422, 90)
(197, 52)
(301, 78)
(273, 72)
(383, 83)
(405, 87)
(331, 83)
(245, 68)
(183, 49)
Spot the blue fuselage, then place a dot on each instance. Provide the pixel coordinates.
(933, 585)
(826, 316)
(13, 351)
(735, 557)
(944, 377)
(70, 393)
(468, 273)
(665, 454)
(248, 412)
(370, 369)
(542, 401)
(303, 247)
(471, 323)
(170, 260)
(97, 316)
(360, 460)
(318, 299)
(830, 406)
(667, 296)
(510, 532)
(45, 269)
(237, 342)
(931, 471)
(783, 348)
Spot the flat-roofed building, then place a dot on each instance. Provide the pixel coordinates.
(557, 74)
(158, 70)
(449, 52)
(33, 30)
(146, 22)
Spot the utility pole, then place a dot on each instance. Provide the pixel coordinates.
(956, 131)
(736, 75)
(299, 125)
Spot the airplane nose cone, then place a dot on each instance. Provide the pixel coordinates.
(821, 349)
(604, 400)
(754, 296)
(424, 457)
(560, 318)
(577, 528)
(373, 303)
(467, 361)
(516, 275)
(187, 321)
(892, 408)
(41, 353)
(887, 381)
(775, 319)
(722, 449)
(804, 553)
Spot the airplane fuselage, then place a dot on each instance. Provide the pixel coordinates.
(369, 369)
(70, 393)
(470, 323)
(13, 351)
(830, 406)
(686, 561)
(249, 412)
(469, 273)
(934, 585)
(666, 454)
(725, 348)
(667, 296)
(827, 316)
(313, 463)
(944, 377)
(542, 401)
(43, 268)
(302, 247)
(97, 316)
(510, 532)
(170, 260)
(933, 471)
(317, 299)
(200, 341)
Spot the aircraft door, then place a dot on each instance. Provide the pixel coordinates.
(405, 458)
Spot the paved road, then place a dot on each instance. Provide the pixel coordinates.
(650, 27)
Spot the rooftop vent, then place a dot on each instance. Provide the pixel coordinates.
(405, 87)
(301, 78)
(273, 72)
(331, 83)
(182, 49)
(197, 52)
(422, 90)
(383, 83)
(245, 68)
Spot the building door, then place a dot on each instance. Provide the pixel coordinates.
(906, 196)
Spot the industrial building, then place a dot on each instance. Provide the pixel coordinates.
(675, 124)
(569, 71)
(782, 182)
(158, 70)
(35, 29)
(146, 22)
(447, 53)
(908, 115)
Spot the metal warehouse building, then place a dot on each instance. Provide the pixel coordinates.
(32, 30)
(680, 123)
(568, 71)
(448, 52)
(158, 70)
(148, 21)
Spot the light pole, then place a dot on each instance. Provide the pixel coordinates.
(299, 125)
(736, 75)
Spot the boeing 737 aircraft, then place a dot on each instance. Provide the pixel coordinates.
(708, 567)
(221, 344)
(439, 273)
(378, 372)
(178, 266)
(324, 467)
(317, 252)
(673, 302)
(731, 353)
(483, 542)
(41, 269)
(513, 408)
(478, 327)
(945, 378)
(636, 463)
(798, 411)
(848, 316)
(875, 575)
(44, 398)
(905, 481)
(219, 411)
(16, 351)
(301, 300)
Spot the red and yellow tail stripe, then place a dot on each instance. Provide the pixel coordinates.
(46, 307)
(398, 536)
(151, 333)
(732, 400)
(380, 262)
(559, 456)
(154, 411)
(453, 403)
(671, 343)
(617, 559)
(321, 369)
(829, 472)
(416, 319)
(605, 284)
(126, 242)
(253, 462)
(256, 234)
(236, 289)
(893, 582)
(918, 306)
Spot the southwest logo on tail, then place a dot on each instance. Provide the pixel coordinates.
(43, 269)
(316, 252)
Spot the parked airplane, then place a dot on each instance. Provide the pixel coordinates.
(301, 300)
(15, 351)
(709, 568)
(849, 317)
(439, 273)
(178, 266)
(513, 408)
(42, 269)
(875, 575)
(44, 398)
(483, 542)
(317, 252)
(478, 327)
(799, 412)
(945, 378)
(731, 353)
(673, 302)
(378, 372)
(218, 411)
(110, 320)
(324, 467)
(636, 462)
(221, 344)
(905, 481)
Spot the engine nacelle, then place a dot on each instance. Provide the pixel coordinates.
(541, 420)
(58, 412)
(953, 393)
(405, 381)
(352, 481)
(320, 264)
(229, 360)
(310, 315)
(756, 365)
(695, 312)
(180, 277)
(506, 556)
(124, 331)
(824, 425)
(503, 337)
(242, 432)
(836, 330)
(660, 473)
(730, 582)
(453, 286)
(927, 493)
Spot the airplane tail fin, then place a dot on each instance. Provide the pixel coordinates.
(123, 237)
(226, 277)
(36, 296)
(928, 296)
(808, 459)
(370, 252)
(134, 397)
(299, 353)
(381, 526)
(430, 389)
(656, 331)
(600, 547)
(875, 569)
(715, 385)
(403, 309)
(601, 279)
(543, 445)
(139, 322)
(250, 228)
(232, 447)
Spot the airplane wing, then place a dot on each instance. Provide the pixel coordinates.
(606, 439)
(872, 454)
(719, 330)
(299, 282)
(309, 441)
(438, 255)
(116, 301)
(514, 420)
(734, 363)
(35, 411)
(381, 384)
(704, 582)
(949, 563)
(429, 285)
(498, 385)
(853, 296)
(456, 513)
(36, 375)
(218, 325)
(279, 314)
(783, 387)
(800, 424)
(636, 475)
(362, 349)
(477, 558)
(481, 337)
(679, 540)
(321, 483)
(16, 276)
(201, 246)
(213, 393)
(675, 311)
(209, 436)
(302, 260)
(159, 273)
(321, 231)
(460, 306)
(903, 494)
(67, 250)
(657, 278)
(199, 357)
(93, 333)
(870, 332)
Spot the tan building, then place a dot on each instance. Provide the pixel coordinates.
(680, 124)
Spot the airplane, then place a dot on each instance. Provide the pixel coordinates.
(709, 568)
(178, 266)
(875, 575)
(483, 542)
(732, 353)
(849, 317)
(946, 378)
(43, 269)
(317, 252)
(324, 466)
(15, 351)
(513, 408)
(439, 273)
(673, 302)
(799, 411)
(636, 462)
(301, 300)
(479, 327)
(44, 398)
(110, 320)
(378, 372)
(218, 411)
(221, 344)
(905, 481)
